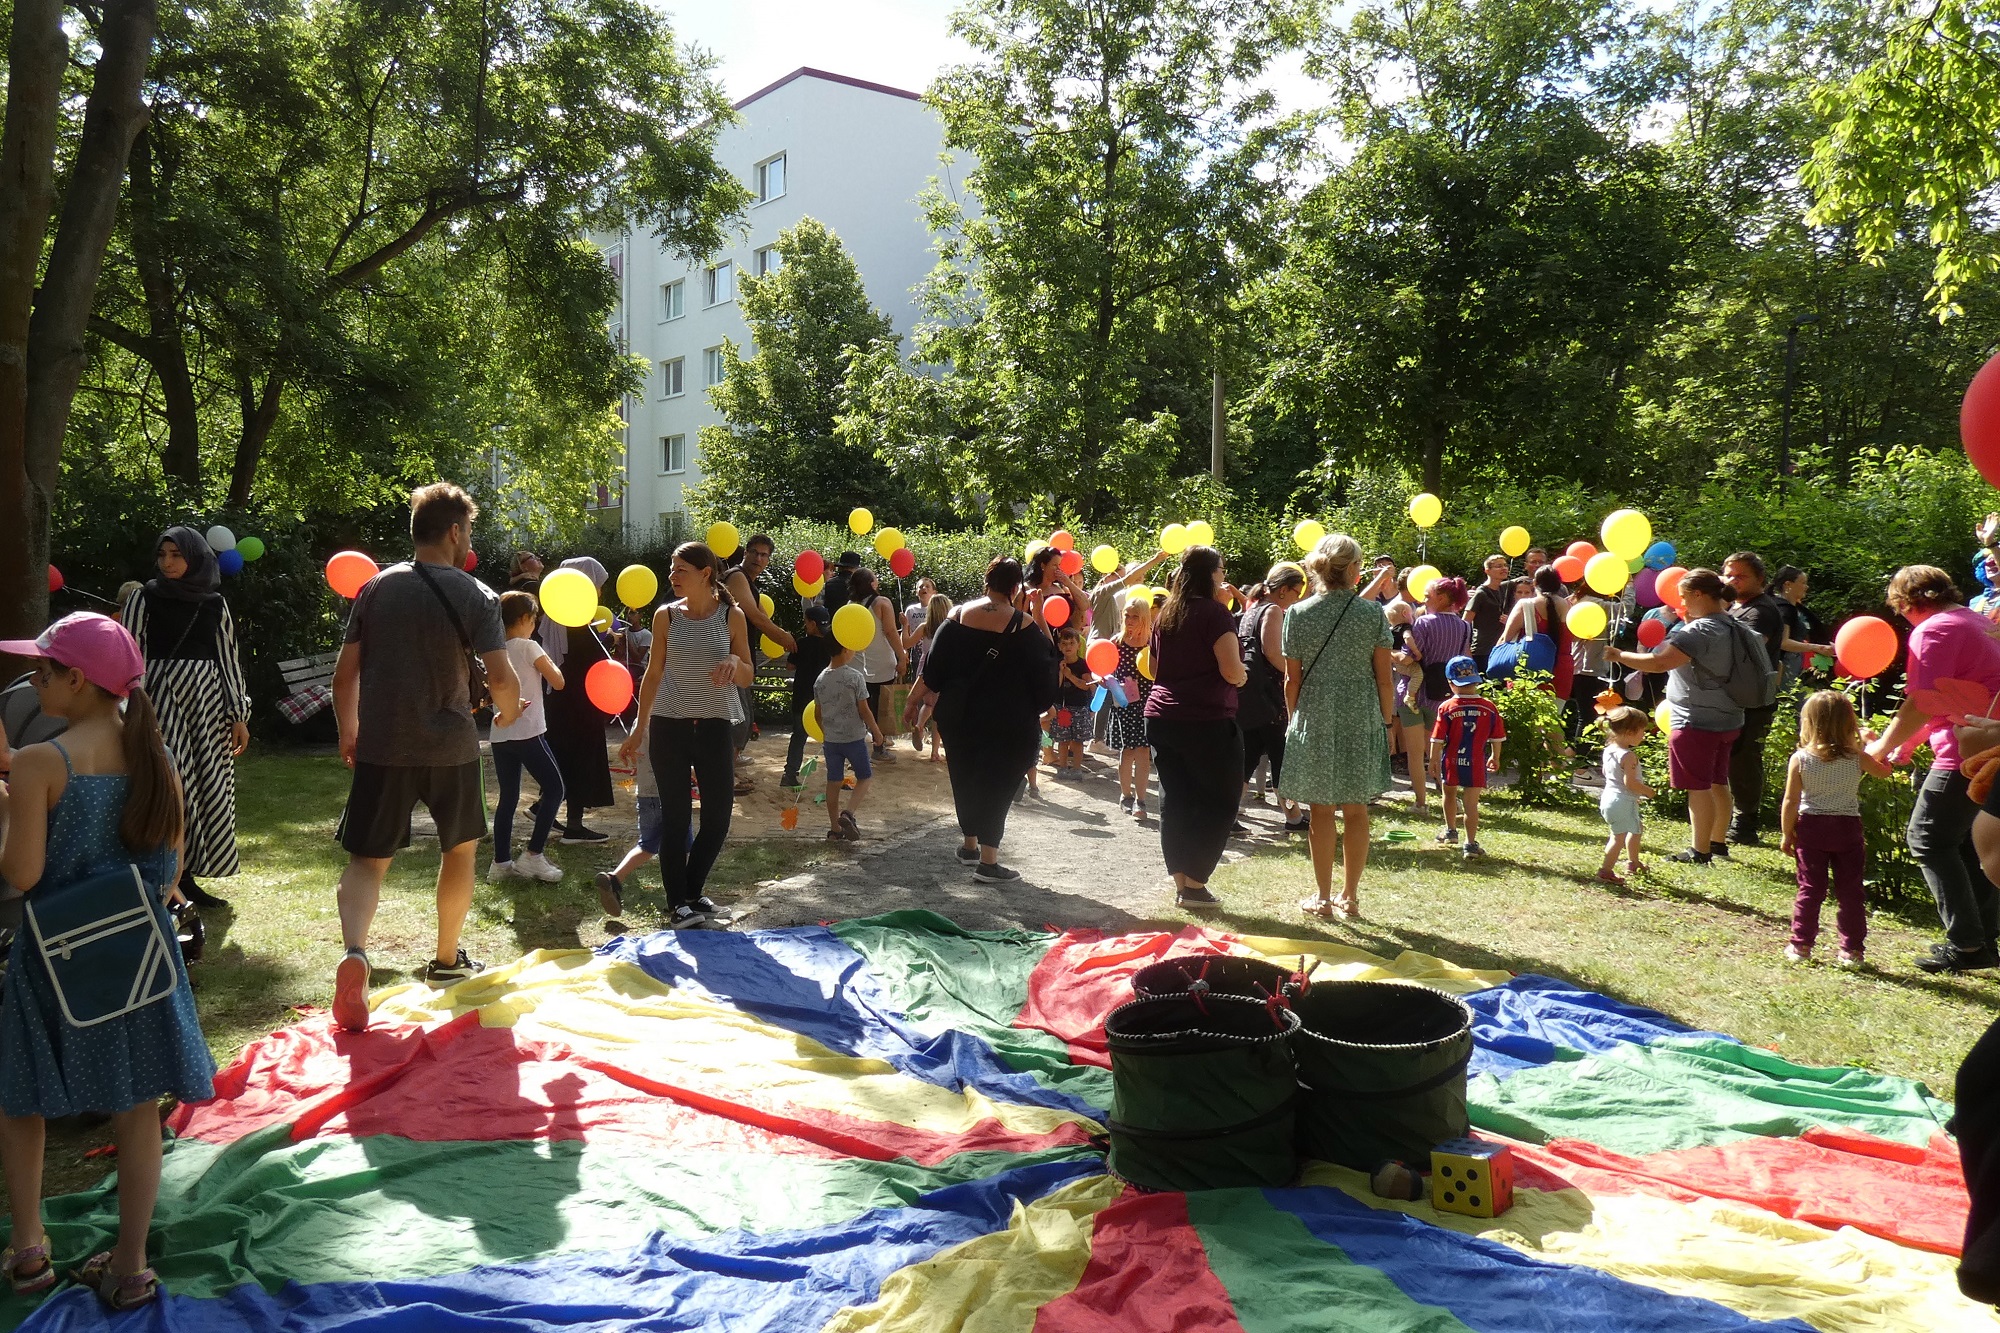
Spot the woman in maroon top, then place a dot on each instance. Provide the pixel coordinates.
(1191, 721)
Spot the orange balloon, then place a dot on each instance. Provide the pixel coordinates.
(1102, 657)
(1056, 611)
(1071, 562)
(1668, 586)
(1865, 646)
(1062, 540)
(1582, 551)
(1569, 568)
(609, 686)
(349, 571)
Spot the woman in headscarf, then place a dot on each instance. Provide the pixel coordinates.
(576, 727)
(184, 628)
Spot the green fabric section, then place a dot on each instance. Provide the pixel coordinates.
(1283, 1279)
(944, 975)
(1692, 1092)
(335, 1209)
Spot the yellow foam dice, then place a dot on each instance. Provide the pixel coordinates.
(1472, 1177)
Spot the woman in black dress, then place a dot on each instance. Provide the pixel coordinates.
(576, 727)
(192, 672)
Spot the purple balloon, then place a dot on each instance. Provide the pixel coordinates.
(1642, 587)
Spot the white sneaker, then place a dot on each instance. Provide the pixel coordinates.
(1793, 955)
(536, 865)
(500, 870)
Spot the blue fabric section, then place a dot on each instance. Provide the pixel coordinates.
(1492, 1288)
(732, 1282)
(1534, 1020)
(809, 981)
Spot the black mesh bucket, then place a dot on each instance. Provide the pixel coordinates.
(1383, 1064)
(1216, 974)
(1203, 1089)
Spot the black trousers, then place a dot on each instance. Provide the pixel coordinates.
(1201, 776)
(705, 748)
(986, 765)
(1746, 771)
(1977, 1125)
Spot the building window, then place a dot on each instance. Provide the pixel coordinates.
(771, 179)
(721, 282)
(672, 300)
(673, 453)
(673, 381)
(603, 497)
(616, 261)
(769, 261)
(618, 338)
(673, 527)
(711, 366)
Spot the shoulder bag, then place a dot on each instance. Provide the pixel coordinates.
(1534, 652)
(103, 945)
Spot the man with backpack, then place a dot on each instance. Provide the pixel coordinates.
(1764, 614)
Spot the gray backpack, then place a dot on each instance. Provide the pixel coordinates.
(1753, 679)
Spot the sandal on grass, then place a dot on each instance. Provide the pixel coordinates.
(16, 1263)
(1315, 907)
(118, 1291)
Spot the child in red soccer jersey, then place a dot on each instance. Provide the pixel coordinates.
(1465, 747)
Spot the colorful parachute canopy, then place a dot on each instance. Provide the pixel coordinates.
(893, 1125)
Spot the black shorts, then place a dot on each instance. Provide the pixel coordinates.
(376, 822)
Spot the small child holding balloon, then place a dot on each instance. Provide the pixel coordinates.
(1070, 721)
(523, 744)
(1821, 819)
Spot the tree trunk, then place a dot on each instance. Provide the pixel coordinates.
(257, 422)
(36, 54)
(165, 351)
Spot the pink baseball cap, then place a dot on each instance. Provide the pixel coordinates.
(98, 646)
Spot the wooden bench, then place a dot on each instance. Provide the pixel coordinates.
(308, 686)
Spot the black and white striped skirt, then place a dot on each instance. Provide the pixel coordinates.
(194, 719)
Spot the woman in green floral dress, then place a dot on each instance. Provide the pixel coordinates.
(1339, 689)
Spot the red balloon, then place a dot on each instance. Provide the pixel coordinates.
(1062, 540)
(1652, 633)
(902, 561)
(810, 566)
(1865, 646)
(1569, 568)
(349, 571)
(1979, 421)
(609, 686)
(1056, 611)
(471, 560)
(1668, 586)
(1582, 551)
(1102, 657)
(55, 579)
(1071, 562)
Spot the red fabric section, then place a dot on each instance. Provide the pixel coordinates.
(1830, 1178)
(1086, 974)
(1148, 1271)
(460, 1081)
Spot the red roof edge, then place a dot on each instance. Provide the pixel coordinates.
(806, 71)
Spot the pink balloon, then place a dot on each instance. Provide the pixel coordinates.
(55, 579)
(1056, 611)
(1979, 421)
(1645, 588)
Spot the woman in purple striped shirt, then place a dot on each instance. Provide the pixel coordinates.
(1438, 635)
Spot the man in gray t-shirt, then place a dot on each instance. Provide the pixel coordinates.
(402, 696)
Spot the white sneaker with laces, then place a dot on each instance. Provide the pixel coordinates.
(536, 865)
(500, 870)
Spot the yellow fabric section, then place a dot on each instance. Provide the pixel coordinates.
(1757, 1263)
(997, 1283)
(1337, 962)
(612, 1010)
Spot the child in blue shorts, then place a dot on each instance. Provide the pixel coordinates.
(846, 721)
(1623, 786)
(611, 883)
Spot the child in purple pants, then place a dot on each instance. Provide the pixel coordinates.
(1822, 823)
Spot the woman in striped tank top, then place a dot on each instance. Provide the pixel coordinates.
(701, 655)
(1822, 823)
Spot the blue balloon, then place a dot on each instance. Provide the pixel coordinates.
(230, 562)
(1097, 699)
(1660, 554)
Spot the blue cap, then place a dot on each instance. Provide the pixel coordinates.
(1462, 670)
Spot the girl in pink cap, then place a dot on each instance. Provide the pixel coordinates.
(96, 1014)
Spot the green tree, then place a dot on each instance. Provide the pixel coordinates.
(1122, 175)
(777, 455)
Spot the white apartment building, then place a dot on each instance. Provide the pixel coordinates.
(854, 155)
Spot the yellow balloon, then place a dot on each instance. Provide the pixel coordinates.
(1627, 533)
(1146, 663)
(1606, 574)
(1586, 620)
(723, 538)
(860, 521)
(1425, 509)
(1104, 559)
(1422, 577)
(1663, 717)
(769, 646)
(887, 542)
(811, 719)
(568, 597)
(1514, 541)
(1200, 533)
(1308, 533)
(601, 620)
(805, 589)
(1173, 539)
(853, 627)
(1028, 552)
(764, 601)
(637, 585)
